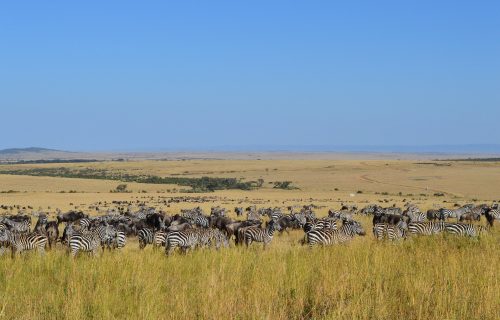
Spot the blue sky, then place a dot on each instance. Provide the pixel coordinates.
(123, 75)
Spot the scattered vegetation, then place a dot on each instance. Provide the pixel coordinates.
(203, 184)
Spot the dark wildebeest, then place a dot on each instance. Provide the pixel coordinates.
(52, 232)
(71, 216)
(41, 224)
(380, 217)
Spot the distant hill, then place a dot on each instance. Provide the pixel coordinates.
(35, 153)
(27, 150)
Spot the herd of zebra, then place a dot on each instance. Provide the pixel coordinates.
(192, 228)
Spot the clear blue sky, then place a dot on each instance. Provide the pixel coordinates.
(144, 75)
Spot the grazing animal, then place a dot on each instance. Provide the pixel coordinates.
(426, 228)
(463, 229)
(185, 240)
(118, 240)
(41, 224)
(87, 242)
(159, 239)
(329, 237)
(432, 214)
(71, 216)
(253, 234)
(21, 226)
(19, 242)
(52, 232)
(146, 236)
(492, 215)
(390, 231)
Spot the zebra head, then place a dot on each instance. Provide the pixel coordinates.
(355, 227)
(4, 234)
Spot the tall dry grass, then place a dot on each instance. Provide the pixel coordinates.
(421, 278)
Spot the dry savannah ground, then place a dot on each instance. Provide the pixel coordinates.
(441, 277)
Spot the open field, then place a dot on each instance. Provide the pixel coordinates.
(443, 277)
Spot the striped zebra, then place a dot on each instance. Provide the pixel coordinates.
(464, 229)
(414, 214)
(146, 236)
(159, 239)
(119, 240)
(390, 231)
(19, 242)
(328, 237)
(3, 244)
(202, 221)
(275, 214)
(426, 228)
(85, 223)
(492, 215)
(254, 234)
(323, 224)
(454, 213)
(23, 226)
(87, 242)
(212, 237)
(185, 240)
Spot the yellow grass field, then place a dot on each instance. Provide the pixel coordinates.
(442, 277)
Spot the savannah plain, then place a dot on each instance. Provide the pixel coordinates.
(442, 277)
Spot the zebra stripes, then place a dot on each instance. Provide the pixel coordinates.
(159, 239)
(146, 236)
(87, 242)
(464, 229)
(20, 242)
(329, 237)
(389, 231)
(253, 234)
(426, 228)
(119, 240)
(185, 240)
(23, 226)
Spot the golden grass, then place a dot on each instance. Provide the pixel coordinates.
(422, 278)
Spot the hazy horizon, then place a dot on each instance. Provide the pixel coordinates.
(423, 149)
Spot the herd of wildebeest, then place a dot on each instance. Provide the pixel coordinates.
(192, 228)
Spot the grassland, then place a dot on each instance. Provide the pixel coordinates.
(422, 278)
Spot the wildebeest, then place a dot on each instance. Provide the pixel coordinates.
(71, 216)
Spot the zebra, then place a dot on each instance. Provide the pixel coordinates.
(463, 229)
(88, 242)
(159, 239)
(3, 244)
(275, 214)
(85, 223)
(19, 242)
(187, 239)
(202, 221)
(414, 214)
(146, 236)
(23, 226)
(426, 228)
(209, 237)
(393, 232)
(456, 213)
(328, 237)
(118, 240)
(492, 215)
(253, 234)
(342, 215)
